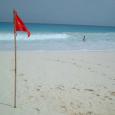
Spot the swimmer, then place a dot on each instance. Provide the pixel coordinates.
(84, 39)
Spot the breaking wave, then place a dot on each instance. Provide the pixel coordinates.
(34, 36)
(61, 41)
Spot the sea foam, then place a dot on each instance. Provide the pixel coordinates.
(60, 41)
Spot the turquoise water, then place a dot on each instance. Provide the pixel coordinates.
(59, 37)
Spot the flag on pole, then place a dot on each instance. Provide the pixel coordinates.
(19, 25)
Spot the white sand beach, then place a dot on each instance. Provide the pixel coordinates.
(58, 83)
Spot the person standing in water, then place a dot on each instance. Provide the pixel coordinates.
(84, 39)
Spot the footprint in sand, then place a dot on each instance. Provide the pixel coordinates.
(42, 96)
(63, 108)
(61, 87)
(93, 71)
(99, 64)
(25, 80)
(75, 64)
(21, 74)
(57, 60)
(108, 97)
(103, 99)
(74, 106)
(100, 102)
(105, 87)
(38, 89)
(104, 74)
(72, 59)
(105, 96)
(89, 113)
(91, 90)
(80, 113)
(90, 104)
(89, 68)
(30, 97)
(73, 87)
(76, 88)
(107, 66)
(97, 95)
(37, 109)
(39, 86)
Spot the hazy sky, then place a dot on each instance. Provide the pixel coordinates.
(82, 12)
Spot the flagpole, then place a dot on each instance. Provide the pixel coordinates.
(15, 61)
(20, 27)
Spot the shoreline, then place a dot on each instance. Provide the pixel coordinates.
(57, 51)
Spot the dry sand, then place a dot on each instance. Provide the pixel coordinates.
(58, 83)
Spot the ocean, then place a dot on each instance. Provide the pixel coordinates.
(46, 37)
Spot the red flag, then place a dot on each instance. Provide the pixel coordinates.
(19, 25)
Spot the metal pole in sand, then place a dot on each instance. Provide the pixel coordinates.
(15, 60)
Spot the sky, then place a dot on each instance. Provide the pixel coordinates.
(78, 12)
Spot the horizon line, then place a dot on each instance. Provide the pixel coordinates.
(62, 24)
